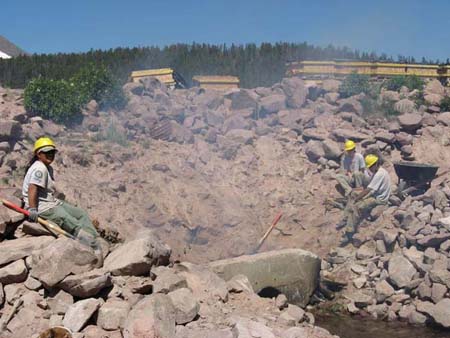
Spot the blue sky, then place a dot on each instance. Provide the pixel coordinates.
(412, 28)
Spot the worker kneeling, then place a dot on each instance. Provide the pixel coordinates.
(376, 193)
(38, 194)
(353, 165)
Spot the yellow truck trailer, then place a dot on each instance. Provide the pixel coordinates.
(165, 75)
(377, 69)
(216, 82)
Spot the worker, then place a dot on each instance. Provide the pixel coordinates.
(352, 163)
(376, 193)
(38, 193)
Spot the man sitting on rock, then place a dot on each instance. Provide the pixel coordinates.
(376, 193)
(353, 165)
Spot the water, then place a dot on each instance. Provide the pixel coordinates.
(352, 327)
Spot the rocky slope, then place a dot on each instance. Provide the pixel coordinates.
(208, 171)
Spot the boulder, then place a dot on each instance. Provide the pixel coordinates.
(235, 122)
(401, 271)
(22, 247)
(438, 292)
(434, 87)
(441, 313)
(272, 104)
(293, 272)
(410, 122)
(241, 136)
(444, 118)
(92, 331)
(433, 99)
(153, 316)
(13, 273)
(62, 257)
(113, 314)
(186, 306)
(60, 302)
(136, 257)
(331, 149)
(243, 99)
(434, 240)
(168, 281)
(383, 291)
(245, 328)
(295, 91)
(405, 106)
(204, 283)
(79, 313)
(314, 150)
(341, 135)
(351, 105)
(87, 284)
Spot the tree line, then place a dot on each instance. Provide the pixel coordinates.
(255, 65)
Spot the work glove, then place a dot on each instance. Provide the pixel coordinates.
(33, 214)
(86, 238)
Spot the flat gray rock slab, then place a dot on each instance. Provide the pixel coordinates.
(294, 272)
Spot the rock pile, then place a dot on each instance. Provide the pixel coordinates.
(137, 293)
(399, 268)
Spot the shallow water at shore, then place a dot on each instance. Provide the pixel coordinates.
(352, 327)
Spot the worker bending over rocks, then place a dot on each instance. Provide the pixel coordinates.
(38, 194)
(376, 193)
(352, 163)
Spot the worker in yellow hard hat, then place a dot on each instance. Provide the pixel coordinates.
(376, 193)
(353, 167)
(38, 193)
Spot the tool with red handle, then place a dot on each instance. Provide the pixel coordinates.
(274, 223)
(53, 228)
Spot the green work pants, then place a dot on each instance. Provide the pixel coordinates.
(347, 183)
(355, 212)
(70, 218)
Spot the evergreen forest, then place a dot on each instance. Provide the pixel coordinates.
(255, 65)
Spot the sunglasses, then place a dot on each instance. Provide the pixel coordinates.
(49, 153)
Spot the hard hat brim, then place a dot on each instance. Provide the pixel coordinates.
(46, 149)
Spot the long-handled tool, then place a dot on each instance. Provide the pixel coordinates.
(53, 228)
(269, 230)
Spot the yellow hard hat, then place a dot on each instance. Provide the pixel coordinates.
(42, 142)
(349, 145)
(371, 159)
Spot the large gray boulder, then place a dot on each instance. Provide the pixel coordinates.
(136, 257)
(15, 272)
(243, 99)
(113, 314)
(434, 87)
(295, 91)
(410, 122)
(272, 104)
(444, 118)
(314, 150)
(293, 272)
(401, 271)
(79, 313)
(441, 313)
(203, 282)
(153, 316)
(60, 259)
(246, 328)
(20, 248)
(87, 284)
(186, 306)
